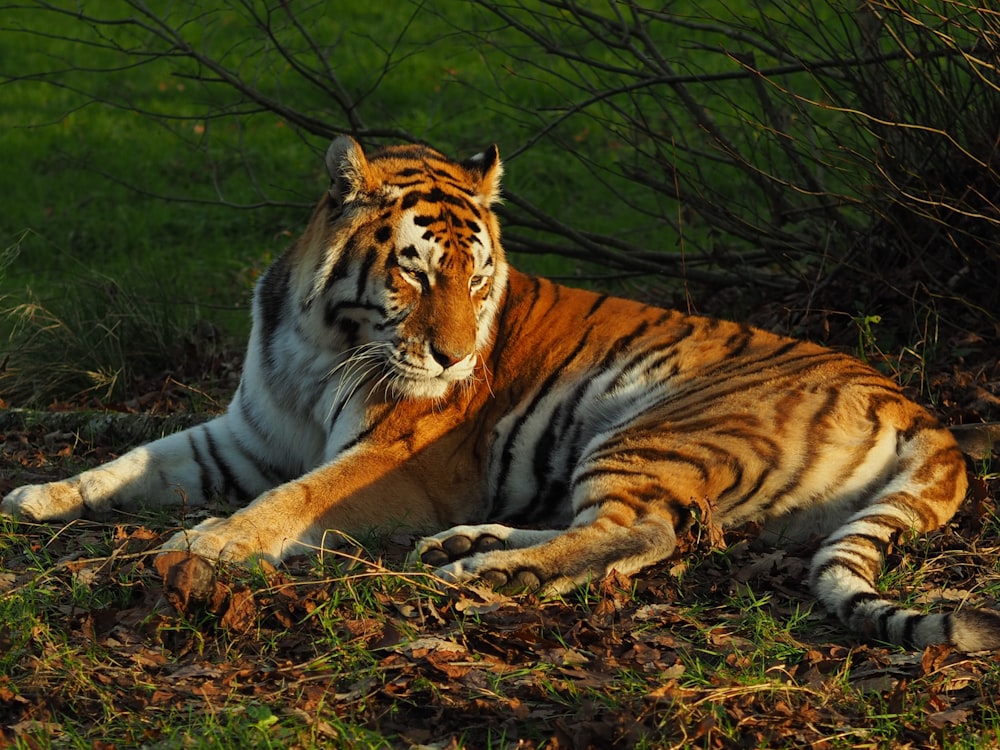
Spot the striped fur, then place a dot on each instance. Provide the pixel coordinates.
(400, 374)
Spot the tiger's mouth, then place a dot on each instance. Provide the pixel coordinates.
(429, 379)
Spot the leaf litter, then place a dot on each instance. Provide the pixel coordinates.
(103, 643)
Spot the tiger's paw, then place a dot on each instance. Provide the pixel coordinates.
(458, 543)
(507, 571)
(225, 539)
(496, 574)
(499, 556)
(56, 501)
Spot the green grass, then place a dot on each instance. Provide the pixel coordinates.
(66, 216)
(122, 181)
(96, 154)
(344, 652)
(75, 223)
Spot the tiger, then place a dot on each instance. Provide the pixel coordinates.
(401, 374)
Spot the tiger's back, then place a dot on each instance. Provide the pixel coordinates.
(743, 413)
(674, 413)
(401, 374)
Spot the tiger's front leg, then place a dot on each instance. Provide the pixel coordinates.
(278, 524)
(189, 467)
(367, 488)
(630, 497)
(553, 561)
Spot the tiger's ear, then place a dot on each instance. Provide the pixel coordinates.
(489, 169)
(350, 175)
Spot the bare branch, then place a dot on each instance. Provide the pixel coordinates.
(773, 148)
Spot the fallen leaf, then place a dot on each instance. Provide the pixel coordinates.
(709, 532)
(241, 612)
(762, 565)
(47, 728)
(564, 657)
(665, 612)
(195, 671)
(422, 646)
(447, 662)
(188, 579)
(941, 719)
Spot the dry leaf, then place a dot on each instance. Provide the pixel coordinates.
(241, 614)
(941, 719)
(188, 579)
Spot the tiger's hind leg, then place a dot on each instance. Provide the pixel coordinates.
(921, 497)
(844, 574)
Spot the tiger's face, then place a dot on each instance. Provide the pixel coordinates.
(414, 273)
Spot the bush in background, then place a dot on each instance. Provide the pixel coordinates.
(822, 157)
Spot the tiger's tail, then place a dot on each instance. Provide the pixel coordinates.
(923, 495)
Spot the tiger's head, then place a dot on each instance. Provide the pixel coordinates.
(404, 268)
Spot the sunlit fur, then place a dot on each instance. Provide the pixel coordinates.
(401, 375)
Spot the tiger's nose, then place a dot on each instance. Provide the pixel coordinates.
(446, 359)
